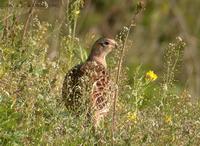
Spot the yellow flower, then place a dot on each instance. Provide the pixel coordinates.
(77, 12)
(151, 76)
(132, 117)
(168, 119)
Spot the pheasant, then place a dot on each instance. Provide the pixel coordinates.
(87, 86)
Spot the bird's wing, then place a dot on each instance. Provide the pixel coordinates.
(71, 87)
(100, 93)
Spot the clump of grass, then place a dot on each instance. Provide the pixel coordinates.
(122, 39)
(31, 107)
(71, 50)
(173, 56)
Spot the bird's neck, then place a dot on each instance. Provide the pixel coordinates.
(99, 59)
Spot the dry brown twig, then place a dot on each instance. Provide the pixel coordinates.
(140, 7)
(28, 19)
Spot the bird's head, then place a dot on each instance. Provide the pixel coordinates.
(101, 48)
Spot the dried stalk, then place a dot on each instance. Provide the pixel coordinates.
(119, 66)
(5, 31)
(28, 19)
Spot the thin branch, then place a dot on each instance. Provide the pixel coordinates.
(28, 19)
(119, 66)
(7, 17)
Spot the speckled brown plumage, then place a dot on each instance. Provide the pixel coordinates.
(87, 87)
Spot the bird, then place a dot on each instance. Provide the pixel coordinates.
(88, 87)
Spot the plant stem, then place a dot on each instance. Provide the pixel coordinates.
(28, 19)
(119, 68)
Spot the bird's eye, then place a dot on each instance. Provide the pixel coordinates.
(106, 43)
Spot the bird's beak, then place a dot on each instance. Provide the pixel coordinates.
(114, 43)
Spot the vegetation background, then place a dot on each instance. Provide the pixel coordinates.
(42, 39)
